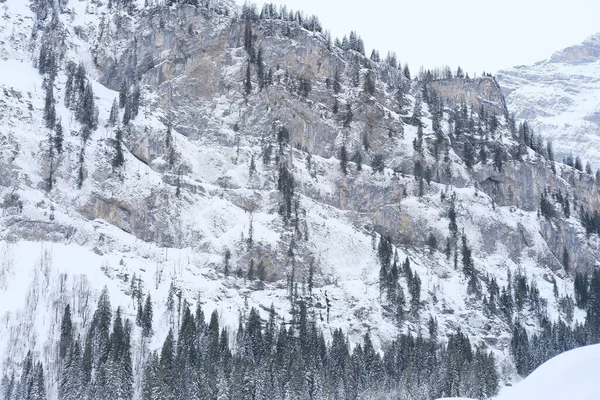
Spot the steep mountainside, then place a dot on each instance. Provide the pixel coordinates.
(243, 162)
(559, 97)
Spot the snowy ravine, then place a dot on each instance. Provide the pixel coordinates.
(206, 163)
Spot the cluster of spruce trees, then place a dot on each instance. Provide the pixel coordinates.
(270, 11)
(47, 64)
(30, 385)
(547, 208)
(78, 97)
(261, 360)
(294, 361)
(264, 77)
(530, 351)
(527, 138)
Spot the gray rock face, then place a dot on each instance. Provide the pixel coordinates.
(472, 92)
(195, 65)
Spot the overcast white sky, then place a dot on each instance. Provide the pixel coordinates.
(478, 35)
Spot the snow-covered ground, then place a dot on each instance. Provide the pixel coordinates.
(571, 375)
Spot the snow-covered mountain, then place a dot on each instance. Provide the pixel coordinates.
(560, 98)
(246, 161)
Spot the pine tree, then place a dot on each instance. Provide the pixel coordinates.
(87, 112)
(114, 114)
(498, 158)
(565, 259)
(252, 167)
(87, 362)
(550, 151)
(260, 69)
(66, 333)
(369, 85)
(125, 382)
(469, 154)
(150, 379)
(248, 81)
(166, 373)
(49, 107)
(70, 85)
(452, 225)
(349, 116)
(344, 160)
(261, 271)
(147, 318)
(406, 72)
(119, 158)
(251, 272)
(8, 386)
(248, 39)
(135, 101)
(100, 328)
(38, 390)
(123, 92)
(337, 87)
(58, 137)
(578, 164)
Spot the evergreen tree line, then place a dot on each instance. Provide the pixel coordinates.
(270, 11)
(261, 360)
(47, 8)
(47, 65)
(530, 351)
(79, 97)
(547, 208)
(442, 73)
(575, 162)
(351, 42)
(130, 6)
(521, 297)
(29, 385)
(129, 102)
(268, 360)
(264, 77)
(470, 132)
(528, 138)
(391, 291)
(590, 220)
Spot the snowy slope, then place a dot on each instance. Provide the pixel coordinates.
(560, 97)
(66, 244)
(571, 375)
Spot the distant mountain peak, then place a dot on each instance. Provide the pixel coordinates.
(586, 52)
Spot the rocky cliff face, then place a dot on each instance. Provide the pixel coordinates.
(220, 184)
(473, 92)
